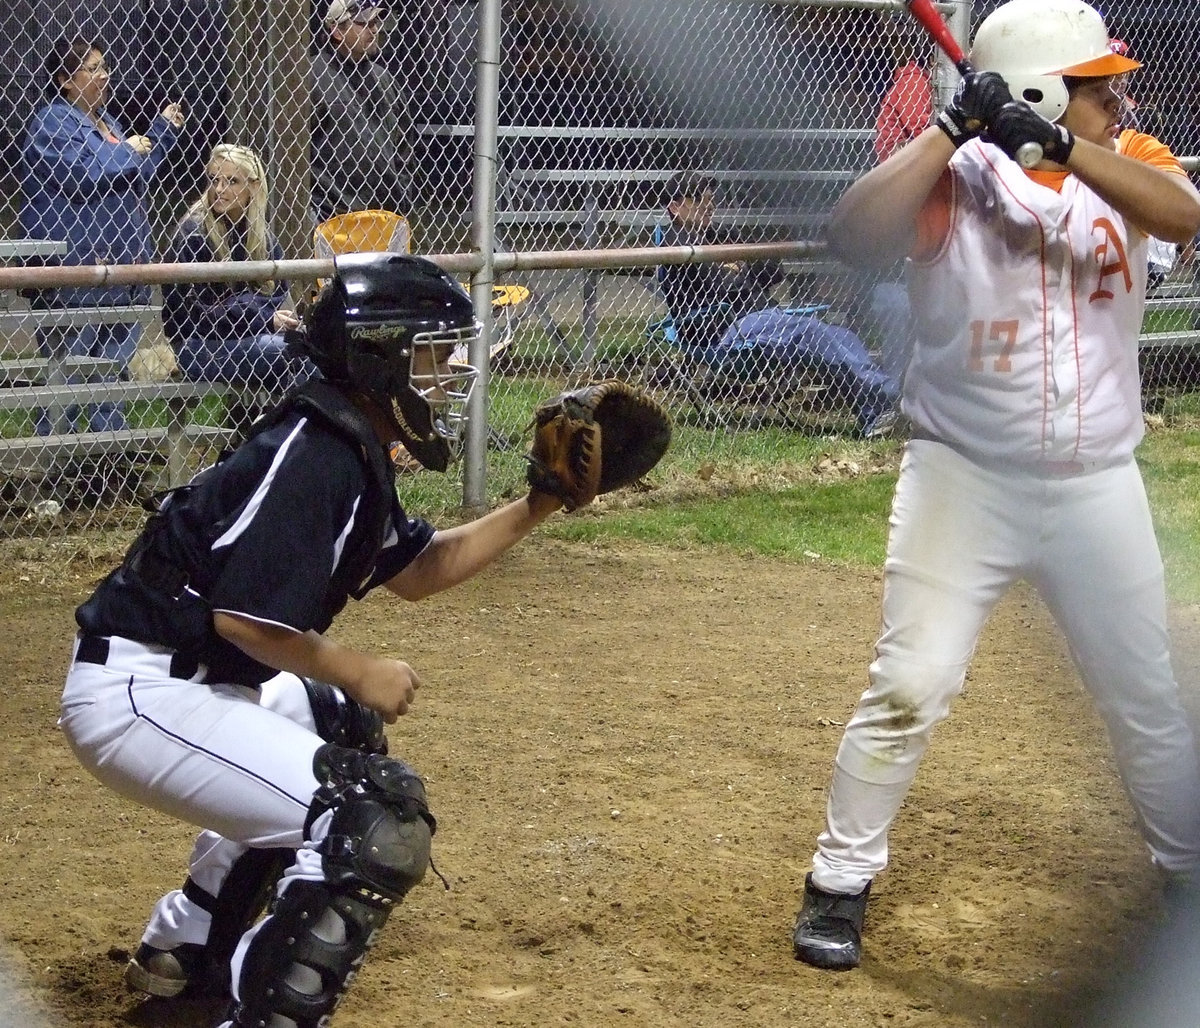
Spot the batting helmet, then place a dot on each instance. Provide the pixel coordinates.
(376, 314)
(1035, 43)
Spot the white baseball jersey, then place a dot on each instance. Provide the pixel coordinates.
(1027, 320)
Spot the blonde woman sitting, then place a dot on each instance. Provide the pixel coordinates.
(231, 331)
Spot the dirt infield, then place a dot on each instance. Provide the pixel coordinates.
(627, 750)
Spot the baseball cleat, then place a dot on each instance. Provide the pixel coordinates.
(163, 972)
(884, 425)
(828, 932)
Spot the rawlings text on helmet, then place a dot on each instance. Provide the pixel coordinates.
(378, 333)
(1035, 43)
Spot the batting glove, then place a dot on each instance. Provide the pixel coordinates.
(978, 98)
(1017, 124)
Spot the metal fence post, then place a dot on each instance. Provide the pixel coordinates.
(483, 242)
(591, 240)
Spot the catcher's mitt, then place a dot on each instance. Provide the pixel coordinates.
(595, 439)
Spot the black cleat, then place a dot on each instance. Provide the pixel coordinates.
(828, 932)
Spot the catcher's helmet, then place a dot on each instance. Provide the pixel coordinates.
(380, 314)
(1035, 43)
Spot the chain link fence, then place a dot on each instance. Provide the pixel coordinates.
(254, 130)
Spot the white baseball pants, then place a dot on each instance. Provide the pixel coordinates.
(960, 535)
(236, 762)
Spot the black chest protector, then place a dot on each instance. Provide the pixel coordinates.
(160, 595)
(329, 406)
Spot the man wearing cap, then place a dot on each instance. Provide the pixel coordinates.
(362, 125)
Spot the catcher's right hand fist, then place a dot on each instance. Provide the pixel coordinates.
(977, 100)
(595, 439)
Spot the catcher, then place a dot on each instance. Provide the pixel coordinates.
(203, 684)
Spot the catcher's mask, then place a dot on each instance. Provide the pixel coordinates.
(385, 324)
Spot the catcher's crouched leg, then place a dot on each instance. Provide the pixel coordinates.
(252, 877)
(302, 958)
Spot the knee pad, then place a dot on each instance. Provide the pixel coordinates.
(380, 834)
(305, 955)
(344, 721)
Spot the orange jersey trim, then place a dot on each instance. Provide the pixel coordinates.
(933, 220)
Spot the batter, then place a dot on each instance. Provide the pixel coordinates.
(1023, 391)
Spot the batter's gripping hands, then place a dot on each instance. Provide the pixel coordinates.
(977, 100)
(1017, 124)
(595, 439)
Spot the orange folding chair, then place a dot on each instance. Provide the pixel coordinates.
(507, 304)
(388, 232)
(363, 232)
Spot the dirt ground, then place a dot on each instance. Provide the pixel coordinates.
(627, 751)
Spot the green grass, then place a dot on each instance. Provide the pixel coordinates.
(1171, 319)
(793, 496)
(757, 492)
(1170, 461)
(843, 522)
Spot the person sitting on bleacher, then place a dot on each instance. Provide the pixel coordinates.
(84, 182)
(231, 331)
(725, 316)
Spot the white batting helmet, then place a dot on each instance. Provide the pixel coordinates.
(1034, 43)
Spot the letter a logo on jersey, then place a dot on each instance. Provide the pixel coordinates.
(1110, 256)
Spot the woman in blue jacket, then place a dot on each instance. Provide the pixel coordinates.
(231, 331)
(84, 182)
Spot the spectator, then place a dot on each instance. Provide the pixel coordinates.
(904, 113)
(1161, 255)
(726, 317)
(230, 331)
(1141, 113)
(84, 181)
(362, 126)
(1161, 258)
(906, 109)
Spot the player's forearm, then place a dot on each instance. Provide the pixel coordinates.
(874, 224)
(456, 554)
(1159, 203)
(302, 653)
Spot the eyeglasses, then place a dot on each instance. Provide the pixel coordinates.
(99, 68)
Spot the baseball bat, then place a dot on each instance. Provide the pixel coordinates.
(931, 20)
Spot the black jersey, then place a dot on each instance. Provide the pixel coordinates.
(266, 534)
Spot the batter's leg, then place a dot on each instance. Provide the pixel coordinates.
(1102, 578)
(955, 546)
